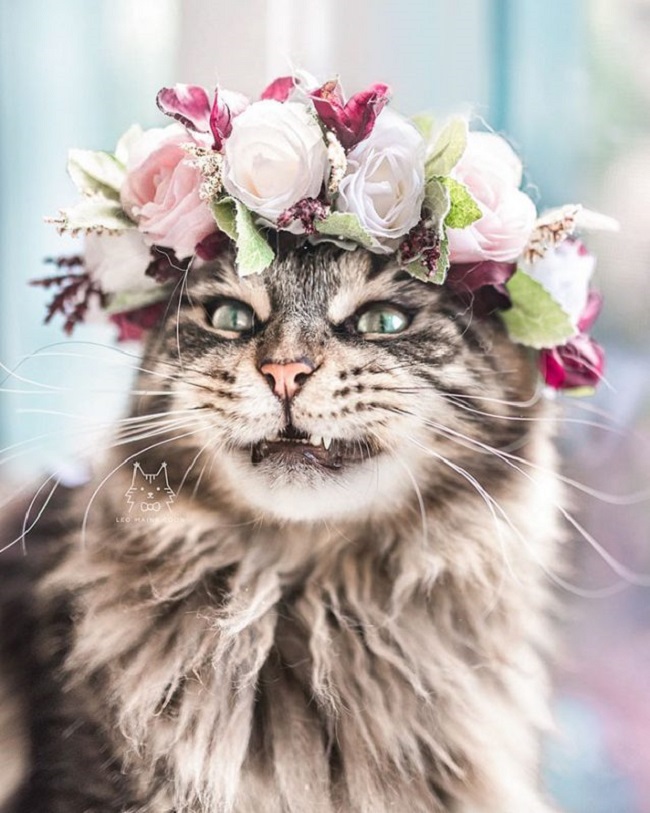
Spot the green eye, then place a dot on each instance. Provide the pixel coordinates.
(382, 320)
(233, 317)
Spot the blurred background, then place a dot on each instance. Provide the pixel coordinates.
(568, 80)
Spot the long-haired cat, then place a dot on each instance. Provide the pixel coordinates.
(342, 604)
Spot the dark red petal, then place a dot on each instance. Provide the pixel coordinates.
(279, 89)
(211, 246)
(578, 363)
(552, 368)
(189, 104)
(469, 277)
(352, 121)
(591, 311)
(220, 120)
(131, 325)
(363, 108)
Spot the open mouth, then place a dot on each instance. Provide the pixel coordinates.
(292, 446)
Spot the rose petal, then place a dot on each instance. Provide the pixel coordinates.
(279, 89)
(578, 363)
(220, 120)
(189, 104)
(352, 121)
(591, 311)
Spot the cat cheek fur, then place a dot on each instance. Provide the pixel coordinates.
(369, 638)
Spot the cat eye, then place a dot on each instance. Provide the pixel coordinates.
(231, 316)
(382, 320)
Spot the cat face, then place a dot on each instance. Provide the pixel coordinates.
(334, 384)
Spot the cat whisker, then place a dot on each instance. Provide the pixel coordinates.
(618, 568)
(129, 458)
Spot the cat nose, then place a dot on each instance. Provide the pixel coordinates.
(286, 379)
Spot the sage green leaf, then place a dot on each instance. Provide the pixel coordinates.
(225, 214)
(447, 149)
(437, 200)
(96, 173)
(93, 214)
(580, 392)
(130, 300)
(535, 318)
(442, 266)
(345, 226)
(425, 123)
(463, 209)
(416, 268)
(254, 254)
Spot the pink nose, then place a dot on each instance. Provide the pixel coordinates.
(286, 379)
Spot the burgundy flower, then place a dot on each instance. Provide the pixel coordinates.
(211, 246)
(421, 243)
(591, 311)
(352, 121)
(190, 104)
(578, 363)
(279, 89)
(132, 324)
(307, 211)
(481, 284)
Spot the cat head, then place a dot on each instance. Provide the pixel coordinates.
(332, 385)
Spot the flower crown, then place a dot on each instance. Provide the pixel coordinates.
(443, 200)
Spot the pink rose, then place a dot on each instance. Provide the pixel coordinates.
(492, 172)
(161, 192)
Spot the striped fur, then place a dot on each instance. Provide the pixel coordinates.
(284, 639)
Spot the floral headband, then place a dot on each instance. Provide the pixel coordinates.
(443, 200)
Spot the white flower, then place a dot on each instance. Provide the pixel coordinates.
(274, 157)
(565, 272)
(117, 262)
(384, 185)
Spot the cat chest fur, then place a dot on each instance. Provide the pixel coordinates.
(295, 669)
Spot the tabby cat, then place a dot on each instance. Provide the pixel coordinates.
(342, 602)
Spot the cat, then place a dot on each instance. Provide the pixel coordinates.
(344, 606)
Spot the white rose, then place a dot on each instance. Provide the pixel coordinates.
(384, 184)
(118, 262)
(274, 157)
(565, 271)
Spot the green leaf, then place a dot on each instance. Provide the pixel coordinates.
(425, 123)
(96, 173)
(254, 254)
(225, 213)
(129, 300)
(437, 200)
(535, 318)
(416, 268)
(463, 209)
(447, 148)
(346, 226)
(95, 213)
(442, 266)
(580, 392)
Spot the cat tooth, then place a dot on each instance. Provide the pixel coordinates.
(315, 440)
(327, 442)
